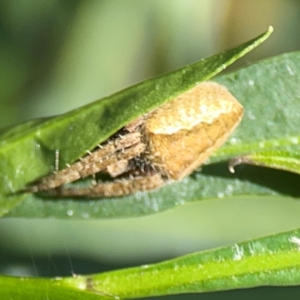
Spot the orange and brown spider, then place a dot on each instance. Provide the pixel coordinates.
(164, 145)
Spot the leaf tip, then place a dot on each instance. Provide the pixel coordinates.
(270, 29)
(238, 161)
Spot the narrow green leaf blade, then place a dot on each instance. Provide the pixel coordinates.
(277, 159)
(272, 260)
(20, 288)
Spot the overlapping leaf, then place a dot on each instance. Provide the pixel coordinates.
(27, 151)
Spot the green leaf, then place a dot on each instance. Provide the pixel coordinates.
(277, 159)
(42, 288)
(272, 260)
(27, 151)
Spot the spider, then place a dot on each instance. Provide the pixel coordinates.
(164, 145)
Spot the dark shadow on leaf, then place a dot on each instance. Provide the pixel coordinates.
(283, 182)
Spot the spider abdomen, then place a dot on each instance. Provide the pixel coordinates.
(183, 133)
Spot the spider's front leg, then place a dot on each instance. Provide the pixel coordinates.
(116, 188)
(122, 148)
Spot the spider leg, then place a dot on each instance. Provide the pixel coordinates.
(118, 168)
(123, 148)
(135, 124)
(116, 188)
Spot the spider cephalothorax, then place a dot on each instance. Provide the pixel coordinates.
(166, 144)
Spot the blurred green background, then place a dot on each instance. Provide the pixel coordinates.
(58, 55)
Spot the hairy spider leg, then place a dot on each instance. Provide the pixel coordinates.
(123, 148)
(116, 188)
